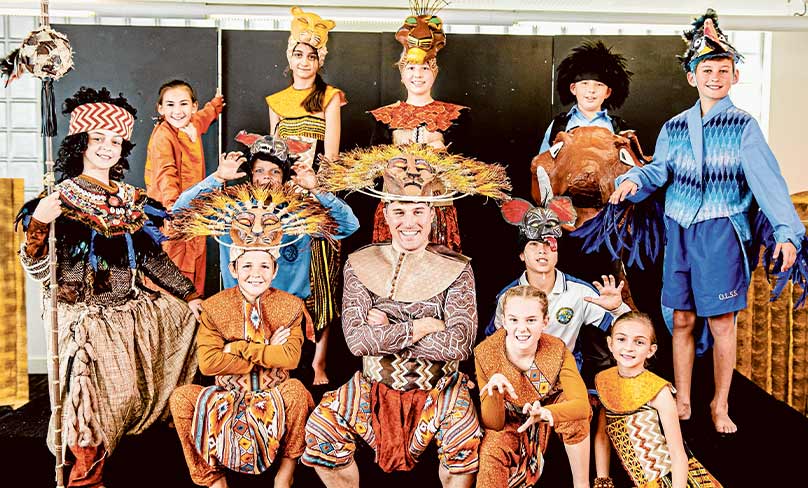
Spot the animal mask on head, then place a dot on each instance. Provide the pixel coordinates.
(311, 29)
(705, 41)
(422, 34)
(412, 173)
(542, 223)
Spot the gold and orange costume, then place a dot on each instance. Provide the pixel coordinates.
(255, 412)
(636, 432)
(512, 459)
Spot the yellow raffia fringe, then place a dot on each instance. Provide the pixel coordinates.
(212, 214)
(360, 168)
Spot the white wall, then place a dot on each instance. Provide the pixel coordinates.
(788, 136)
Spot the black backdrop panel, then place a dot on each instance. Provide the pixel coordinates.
(506, 81)
(136, 61)
(659, 89)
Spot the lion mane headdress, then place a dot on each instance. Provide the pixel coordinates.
(413, 173)
(255, 218)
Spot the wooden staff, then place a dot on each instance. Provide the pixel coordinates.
(54, 382)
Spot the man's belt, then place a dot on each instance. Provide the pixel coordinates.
(406, 373)
(258, 379)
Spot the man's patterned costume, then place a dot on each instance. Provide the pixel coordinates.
(406, 390)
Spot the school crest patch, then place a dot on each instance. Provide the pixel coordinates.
(564, 315)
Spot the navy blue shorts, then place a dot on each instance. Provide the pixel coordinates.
(704, 268)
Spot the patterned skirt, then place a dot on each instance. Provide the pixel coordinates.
(241, 428)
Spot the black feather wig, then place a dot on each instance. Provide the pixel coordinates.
(592, 60)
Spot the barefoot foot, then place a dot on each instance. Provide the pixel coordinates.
(683, 408)
(320, 378)
(723, 424)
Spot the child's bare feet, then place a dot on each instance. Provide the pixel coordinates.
(320, 378)
(723, 424)
(683, 408)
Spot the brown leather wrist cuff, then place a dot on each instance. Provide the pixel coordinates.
(36, 239)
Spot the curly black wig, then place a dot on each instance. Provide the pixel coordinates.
(70, 159)
(594, 61)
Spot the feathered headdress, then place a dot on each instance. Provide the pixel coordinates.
(442, 177)
(704, 41)
(255, 218)
(542, 223)
(594, 61)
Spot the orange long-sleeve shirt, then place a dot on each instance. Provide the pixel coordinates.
(220, 325)
(174, 163)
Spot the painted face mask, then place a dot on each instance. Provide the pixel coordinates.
(542, 224)
(409, 174)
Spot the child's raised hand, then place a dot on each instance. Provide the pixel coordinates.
(280, 336)
(228, 166)
(624, 189)
(537, 414)
(610, 296)
(499, 384)
(304, 176)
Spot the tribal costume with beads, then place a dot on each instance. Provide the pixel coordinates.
(123, 348)
(635, 431)
(512, 459)
(407, 391)
(254, 413)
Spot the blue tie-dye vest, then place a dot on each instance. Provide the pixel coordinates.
(717, 187)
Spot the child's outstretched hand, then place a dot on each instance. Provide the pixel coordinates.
(537, 414)
(610, 296)
(624, 189)
(499, 384)
(789, 253)
(228, 166)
